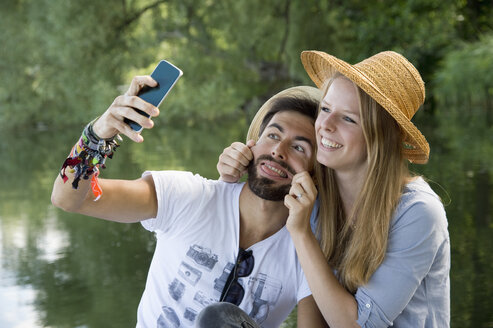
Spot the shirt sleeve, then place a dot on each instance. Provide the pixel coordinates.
(314, 218)
(179, 194)
(416, 233)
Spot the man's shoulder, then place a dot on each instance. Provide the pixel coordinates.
(189, 181)
(188, 175)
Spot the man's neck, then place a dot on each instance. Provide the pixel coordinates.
(259, 218)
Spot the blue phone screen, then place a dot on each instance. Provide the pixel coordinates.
(166, 75)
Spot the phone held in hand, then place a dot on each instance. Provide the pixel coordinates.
(166, 75)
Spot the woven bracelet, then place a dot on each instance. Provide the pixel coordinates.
(87, 156)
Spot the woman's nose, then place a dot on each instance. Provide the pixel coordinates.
(326, 122)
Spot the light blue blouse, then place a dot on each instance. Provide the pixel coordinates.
(411, 288)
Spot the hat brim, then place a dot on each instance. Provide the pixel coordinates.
(302, 91)
(321, 66)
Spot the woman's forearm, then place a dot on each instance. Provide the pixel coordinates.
(337, 305)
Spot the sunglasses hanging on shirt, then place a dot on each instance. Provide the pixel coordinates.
(233, 291)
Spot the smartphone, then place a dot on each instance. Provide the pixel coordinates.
(166, 75)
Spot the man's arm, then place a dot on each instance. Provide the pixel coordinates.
(122, 200)
(309, 315)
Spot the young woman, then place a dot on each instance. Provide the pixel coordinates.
(380, 253)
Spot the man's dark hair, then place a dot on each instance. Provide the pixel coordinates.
(302, 105)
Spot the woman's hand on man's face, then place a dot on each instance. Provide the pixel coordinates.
(234, 161)
(299, 201)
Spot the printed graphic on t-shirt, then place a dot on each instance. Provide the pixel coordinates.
(190, 314)
(168, 318)
(266, 291)
(190, 272)
(202, 299)
(202, 256)
(220, 282)
(176, 289)
(263, 291)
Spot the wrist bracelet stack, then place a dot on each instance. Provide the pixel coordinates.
(87, 156)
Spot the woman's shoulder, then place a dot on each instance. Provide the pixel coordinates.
(419, 191)
(420, 205)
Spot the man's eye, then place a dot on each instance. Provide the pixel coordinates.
(273, 136)
(299, 148)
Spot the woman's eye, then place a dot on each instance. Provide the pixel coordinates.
(350, 120)
(325, 109)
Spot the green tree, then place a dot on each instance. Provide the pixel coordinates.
(70, 57)
(463, 89)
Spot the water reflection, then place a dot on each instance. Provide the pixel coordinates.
(65, 270)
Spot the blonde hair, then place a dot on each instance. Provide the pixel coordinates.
(355, 243)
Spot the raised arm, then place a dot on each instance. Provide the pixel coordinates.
(309, 315)
(338, 307)
(418, 234)
(121, 200)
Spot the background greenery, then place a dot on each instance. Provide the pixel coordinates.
(62, 63)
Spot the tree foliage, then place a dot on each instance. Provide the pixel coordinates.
(464, 96)
(64, 61)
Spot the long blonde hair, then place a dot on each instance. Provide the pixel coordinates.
(355, 243)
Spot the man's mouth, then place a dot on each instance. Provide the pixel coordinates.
(275, 170)
(330, 144)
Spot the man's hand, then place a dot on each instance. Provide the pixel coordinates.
(111, 122)
(234, 160)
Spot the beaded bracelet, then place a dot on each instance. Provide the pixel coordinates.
(87, 156)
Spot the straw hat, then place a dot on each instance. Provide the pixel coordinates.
(387, 77)
(305, 92)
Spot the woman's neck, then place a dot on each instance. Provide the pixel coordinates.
(349, 186)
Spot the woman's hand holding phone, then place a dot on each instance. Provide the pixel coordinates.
(123, 107)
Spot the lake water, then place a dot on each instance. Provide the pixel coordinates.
(66, 270)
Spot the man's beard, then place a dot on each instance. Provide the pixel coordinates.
(263, 187)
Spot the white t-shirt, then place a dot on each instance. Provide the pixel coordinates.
(197, 230)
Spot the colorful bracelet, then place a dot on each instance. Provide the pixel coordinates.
(87, 156)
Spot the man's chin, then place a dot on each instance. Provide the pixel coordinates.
(266, 189)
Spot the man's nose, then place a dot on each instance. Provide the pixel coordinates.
(279, 151)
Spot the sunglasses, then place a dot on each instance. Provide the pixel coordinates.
(233, 291)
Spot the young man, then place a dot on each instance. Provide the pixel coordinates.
(215, 241)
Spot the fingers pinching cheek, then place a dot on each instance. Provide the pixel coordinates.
(297, 190)
(250, 143)
(288, 201)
